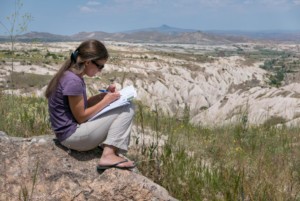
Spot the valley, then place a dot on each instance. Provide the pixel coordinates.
(215, 84)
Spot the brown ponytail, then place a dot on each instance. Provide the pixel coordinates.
(87, 50)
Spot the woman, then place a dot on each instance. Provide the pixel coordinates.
(69, 108)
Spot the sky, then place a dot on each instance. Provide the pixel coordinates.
(67, 17)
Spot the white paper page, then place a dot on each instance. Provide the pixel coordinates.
(126, 95)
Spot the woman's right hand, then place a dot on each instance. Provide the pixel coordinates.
(111, 97)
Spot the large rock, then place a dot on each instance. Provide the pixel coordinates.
(258, 105)
(40, 169)
(177, 84)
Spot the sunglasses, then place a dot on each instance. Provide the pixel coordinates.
(99, 66)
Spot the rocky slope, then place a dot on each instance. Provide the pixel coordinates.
(38, 168)
(221, 91)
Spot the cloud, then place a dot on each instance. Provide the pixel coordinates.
(93, 3)
(248, 2)
(135, 4)
(200, 3)
(285, 3)
(86, 9)
(89, 7)
(186, 6)
(296, 2)
(276, 2)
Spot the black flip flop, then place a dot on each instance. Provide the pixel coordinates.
(105, 167)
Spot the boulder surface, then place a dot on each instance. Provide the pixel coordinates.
(39, 168)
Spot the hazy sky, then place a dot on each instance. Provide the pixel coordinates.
(73, 16)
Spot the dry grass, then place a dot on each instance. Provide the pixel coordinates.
(237, 162)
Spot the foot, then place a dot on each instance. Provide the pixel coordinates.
(116, 165)
(112, 160)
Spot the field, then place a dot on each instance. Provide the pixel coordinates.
(193, 161)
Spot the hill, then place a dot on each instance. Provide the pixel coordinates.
(164, 34)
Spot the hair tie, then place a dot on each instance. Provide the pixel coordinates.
(74, 56)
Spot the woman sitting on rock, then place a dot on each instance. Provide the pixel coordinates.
(70, 109)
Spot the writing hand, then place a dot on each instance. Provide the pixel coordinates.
(111, 97)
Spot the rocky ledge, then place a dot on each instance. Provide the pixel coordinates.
(39, 168)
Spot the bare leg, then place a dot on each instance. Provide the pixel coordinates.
(109, 157)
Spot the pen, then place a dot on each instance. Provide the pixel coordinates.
(103, 90)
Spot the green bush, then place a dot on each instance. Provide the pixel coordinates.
(277, 78)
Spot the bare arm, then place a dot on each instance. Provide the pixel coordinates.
(81, 114)
(95, 99)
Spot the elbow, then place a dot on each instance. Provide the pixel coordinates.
(80, 120)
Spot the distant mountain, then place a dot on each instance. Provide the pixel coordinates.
(162, 29)
(89, 35)
(42, 36)
(165, 34)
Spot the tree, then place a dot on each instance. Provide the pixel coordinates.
(15, 24)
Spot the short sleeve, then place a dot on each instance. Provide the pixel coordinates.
(72, 87)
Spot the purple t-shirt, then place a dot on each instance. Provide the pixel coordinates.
(62, 120)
